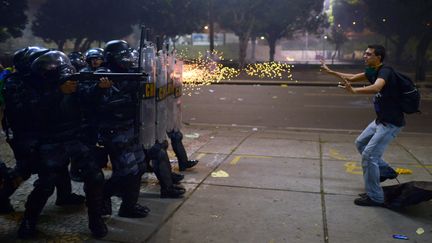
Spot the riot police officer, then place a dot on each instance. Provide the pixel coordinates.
(61, 134)
(22, 132)
(117, 113)
(77, 60)
(94, 58)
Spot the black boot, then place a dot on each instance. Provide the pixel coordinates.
(43, 189)
(129, 207)
(162, 170)
(65, 197)
(71, 199)
(176, 178)
(97, 226)
(180, 152)
(172, 193)
(27, 228)
(93, 187)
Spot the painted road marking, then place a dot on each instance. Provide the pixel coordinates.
(200, 155)
(355, 168)
(237, 158)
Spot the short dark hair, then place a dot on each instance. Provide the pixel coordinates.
(379, 50)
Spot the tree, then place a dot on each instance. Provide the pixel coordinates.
(401, 20)
(84, 21)
(282, 18)
(13, 18)
(170, 18)
(239, 16)
(338, 38)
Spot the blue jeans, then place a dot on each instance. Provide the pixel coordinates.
(371, 144)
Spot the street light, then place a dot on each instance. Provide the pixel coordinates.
(324, 43)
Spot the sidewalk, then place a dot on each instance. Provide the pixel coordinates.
(256, 185)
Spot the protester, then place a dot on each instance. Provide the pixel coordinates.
(389, 121)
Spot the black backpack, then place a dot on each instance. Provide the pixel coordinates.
(409, 94)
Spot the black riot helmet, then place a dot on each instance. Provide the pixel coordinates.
(97, 53)
(23, 58)
(118, 55)
(51, 67)
(77, 60)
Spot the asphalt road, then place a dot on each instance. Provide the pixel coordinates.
(288, 107)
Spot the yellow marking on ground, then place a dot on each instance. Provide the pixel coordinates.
(237, 158)
(403, 171)
(353, 168)
(219, 173)
(200, 155)
(336, 155)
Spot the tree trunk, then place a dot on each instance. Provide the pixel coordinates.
(400, 45)
(77, 43)
(243, 44)
(253, 41)
(211, 26)
(272, 44)
(421, 57)
(60, 44)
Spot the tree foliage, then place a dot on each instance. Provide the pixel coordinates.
(13, 18)
(401, 20)
(169, 18)
(282, 18)
(84, 21)
(240, 17)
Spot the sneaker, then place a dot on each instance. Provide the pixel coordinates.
(366, 201)
(388, 174)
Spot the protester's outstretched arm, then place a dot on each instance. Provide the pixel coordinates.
(348, 76)
(370, 89)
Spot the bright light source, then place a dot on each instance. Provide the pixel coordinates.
(354, 23)
(384, 20)
(325, 37)
(339, 25)
(206, 27)
(262, 37)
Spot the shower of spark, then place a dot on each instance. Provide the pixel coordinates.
(272, 70)
(205, 70)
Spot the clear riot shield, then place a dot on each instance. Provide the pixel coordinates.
(148, 99)
(161, 94)
(178, 91)
(170, 94)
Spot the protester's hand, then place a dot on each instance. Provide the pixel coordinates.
(324, 66)
(104, 83)
(69, 87)
(347, 86)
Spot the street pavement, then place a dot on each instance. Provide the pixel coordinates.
(255, 185)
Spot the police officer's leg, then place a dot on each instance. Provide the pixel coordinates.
(26, 159)
(64, 190)
(52, 158)
(162, 170)
(134, 167)
(180, 152)
(93, 187)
